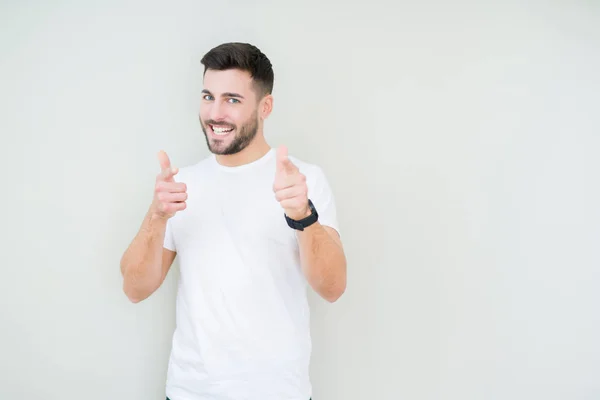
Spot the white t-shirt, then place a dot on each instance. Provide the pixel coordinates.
(242, 316)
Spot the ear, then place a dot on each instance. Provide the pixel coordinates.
(266, 106)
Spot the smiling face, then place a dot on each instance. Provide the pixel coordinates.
(231, 113)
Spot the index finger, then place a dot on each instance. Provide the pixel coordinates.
(283, 161)
(163, 159)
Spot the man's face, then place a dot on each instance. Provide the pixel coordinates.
(229, 111)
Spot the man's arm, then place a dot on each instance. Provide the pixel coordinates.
(145, 263)
(321, 251)
(323, 260)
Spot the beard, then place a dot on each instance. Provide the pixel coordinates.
(243, 137)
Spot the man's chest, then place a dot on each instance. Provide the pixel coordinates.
(241, 211)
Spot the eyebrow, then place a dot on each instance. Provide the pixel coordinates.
(226, 94)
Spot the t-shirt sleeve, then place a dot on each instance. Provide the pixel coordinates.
(322, 196)
(169, 242)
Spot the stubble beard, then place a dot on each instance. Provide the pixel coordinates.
(243, 137)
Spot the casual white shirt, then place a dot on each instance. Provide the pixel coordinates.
(242, 316)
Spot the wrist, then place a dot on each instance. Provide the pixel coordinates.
(303, 219)
(157, 217)
(300, 214)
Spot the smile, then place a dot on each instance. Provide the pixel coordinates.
(220, 130)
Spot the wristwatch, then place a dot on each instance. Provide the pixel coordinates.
(304, 222)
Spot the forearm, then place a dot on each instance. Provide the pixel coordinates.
(141, 264)
(323, 261)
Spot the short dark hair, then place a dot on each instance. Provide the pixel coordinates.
(245, 57)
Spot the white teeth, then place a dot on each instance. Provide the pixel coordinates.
(221, 131)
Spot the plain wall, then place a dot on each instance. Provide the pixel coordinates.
(462, 141)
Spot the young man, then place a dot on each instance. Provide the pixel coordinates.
(253, 227)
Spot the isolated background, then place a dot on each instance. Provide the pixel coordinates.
(461, 140)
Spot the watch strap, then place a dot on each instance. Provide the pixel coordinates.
(304, 222)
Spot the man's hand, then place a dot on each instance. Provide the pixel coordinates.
(169, 196)
(290, 187)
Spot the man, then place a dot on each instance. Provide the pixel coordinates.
(253, 227)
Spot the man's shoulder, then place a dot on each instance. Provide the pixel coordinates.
(308, 168)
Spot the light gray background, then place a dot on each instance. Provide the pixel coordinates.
(462, 141)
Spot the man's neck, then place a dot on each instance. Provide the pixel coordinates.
(254, 151)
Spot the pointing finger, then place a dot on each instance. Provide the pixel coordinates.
(283, 162)
(282, 154)
(164, 160)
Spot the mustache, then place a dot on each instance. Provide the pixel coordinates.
(219, 123)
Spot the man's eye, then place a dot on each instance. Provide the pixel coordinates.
(233, 100)
(208, 97)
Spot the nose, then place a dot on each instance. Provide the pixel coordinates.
(217, 111)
